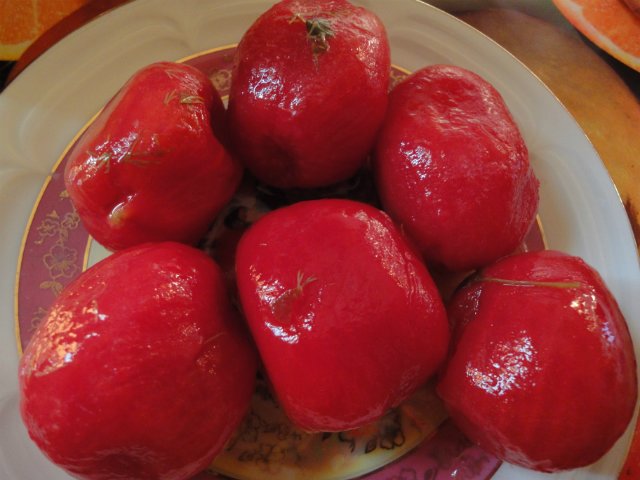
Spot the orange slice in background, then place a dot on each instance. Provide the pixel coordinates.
(22, 21)
(610, 24)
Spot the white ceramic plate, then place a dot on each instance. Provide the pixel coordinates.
(42, 110)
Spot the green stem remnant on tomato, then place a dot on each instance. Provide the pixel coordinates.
(190, 99)
(183, 98)
(103, 160)
(318, 29)
(529, 283)
(130, 156)
(283, 304)
(142, 158)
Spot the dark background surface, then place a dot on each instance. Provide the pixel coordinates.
(5, 67)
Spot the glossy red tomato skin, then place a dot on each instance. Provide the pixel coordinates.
(140, 370)
(345, 316)
(152, 166)
(541, 375)
(300, 117)
(453, 169)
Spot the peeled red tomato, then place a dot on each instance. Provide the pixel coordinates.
(347, 320)
(309, 92)
(542, 371)
(152, 166)
(453, 170)
(140, 369)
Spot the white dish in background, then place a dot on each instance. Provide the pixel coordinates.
(42, 110)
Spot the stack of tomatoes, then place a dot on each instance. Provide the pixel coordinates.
(143, 367)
